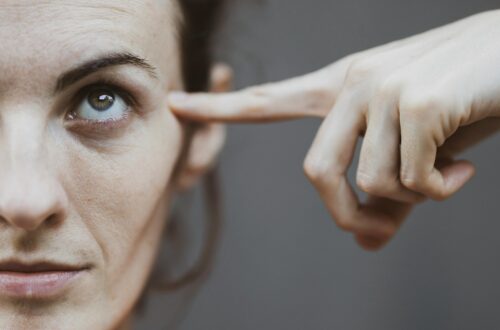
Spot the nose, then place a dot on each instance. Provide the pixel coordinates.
(30, 193)
(28, 200)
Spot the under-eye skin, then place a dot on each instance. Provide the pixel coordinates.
(100, 108)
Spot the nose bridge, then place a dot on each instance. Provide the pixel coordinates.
(22, 145)
(30, 192)
(22, 136)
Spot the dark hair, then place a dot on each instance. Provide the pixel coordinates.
(197, 27)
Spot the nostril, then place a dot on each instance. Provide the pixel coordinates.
(52, 220)
(32, 217)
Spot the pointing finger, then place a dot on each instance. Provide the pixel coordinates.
(309, 95)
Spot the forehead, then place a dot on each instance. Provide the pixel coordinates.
(51, 36)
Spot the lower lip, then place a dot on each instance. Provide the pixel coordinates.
(36, 285)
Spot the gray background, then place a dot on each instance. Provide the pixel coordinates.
(282, 262)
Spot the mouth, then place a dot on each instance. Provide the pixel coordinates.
(40, 279)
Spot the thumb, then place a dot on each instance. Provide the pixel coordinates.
(455, 173)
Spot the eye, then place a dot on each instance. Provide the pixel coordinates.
(101, 104)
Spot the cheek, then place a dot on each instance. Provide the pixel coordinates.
(122, 194)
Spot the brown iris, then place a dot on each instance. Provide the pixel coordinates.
(101, 99)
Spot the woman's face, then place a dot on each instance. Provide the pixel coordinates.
(87, 149)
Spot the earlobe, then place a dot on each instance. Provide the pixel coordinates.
(208, 140)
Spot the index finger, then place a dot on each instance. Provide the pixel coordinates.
(308, 95)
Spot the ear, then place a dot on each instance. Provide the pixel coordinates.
(208, 139)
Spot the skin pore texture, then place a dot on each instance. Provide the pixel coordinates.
(73, 191)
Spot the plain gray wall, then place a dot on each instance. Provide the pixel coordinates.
(282, 262)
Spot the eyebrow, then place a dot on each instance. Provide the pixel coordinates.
(104, 61)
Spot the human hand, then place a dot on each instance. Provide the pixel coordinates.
(418, 102)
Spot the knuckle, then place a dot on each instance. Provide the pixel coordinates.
(358, 72)
(410, 181)
(314, 169)
(320, 92)
(419, 106)
(370, 184)
(320, 99)
(256, 99)
(421, 183)
(389, 87)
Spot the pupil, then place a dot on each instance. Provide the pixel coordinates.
(101, 100)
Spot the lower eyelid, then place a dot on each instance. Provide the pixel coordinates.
(86, 126)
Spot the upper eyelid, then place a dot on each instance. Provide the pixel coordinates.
(104, 84)
(123, 93)
(135, 92)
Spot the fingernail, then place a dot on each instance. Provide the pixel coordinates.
(179, 99)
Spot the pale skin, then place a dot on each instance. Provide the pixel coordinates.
(76, 192)
(79, 192)
(418, 102)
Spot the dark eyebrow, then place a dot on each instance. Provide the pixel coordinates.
(73, 75)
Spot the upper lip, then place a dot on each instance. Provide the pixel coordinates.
(37, 266)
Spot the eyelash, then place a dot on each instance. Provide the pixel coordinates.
(101, 124)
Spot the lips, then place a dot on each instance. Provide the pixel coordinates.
(40, 279)
(41, 266)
